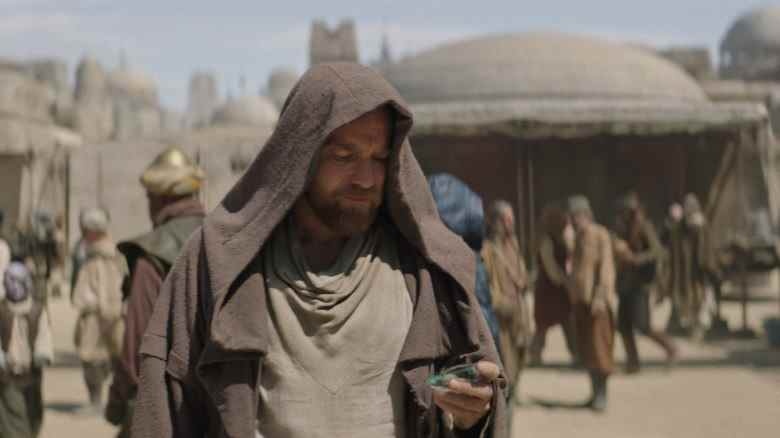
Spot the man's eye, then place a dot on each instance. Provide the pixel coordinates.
(343, 158)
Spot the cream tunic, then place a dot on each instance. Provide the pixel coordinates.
(336, 336)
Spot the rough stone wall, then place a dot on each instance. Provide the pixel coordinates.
(94, 120)
(171, 122)
(132, 121)
(25, 97)
(51, 71)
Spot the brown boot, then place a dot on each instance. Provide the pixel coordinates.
(535, 351)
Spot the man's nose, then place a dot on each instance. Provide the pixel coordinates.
(364, 175)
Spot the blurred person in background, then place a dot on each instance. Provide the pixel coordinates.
(461, 211)
(98, 298)
(592, 285)
(638, 252)
(78, 255)
(5, 254)
(692, 265)
(508, 285)
(172, 182)
(25, 349)
(552, 300)
(57, 281)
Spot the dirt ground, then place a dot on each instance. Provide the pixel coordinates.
(728, 388)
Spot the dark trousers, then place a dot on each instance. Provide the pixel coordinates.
(634, 316)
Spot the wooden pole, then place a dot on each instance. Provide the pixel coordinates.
(531, 198)
(67, 200)
(100, 199)
(522, 214)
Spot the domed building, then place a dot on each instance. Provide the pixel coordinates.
(247, 111)
(535, 117)
(280, 83)
(751, 48)
(539, 65)
(749, 69)
(135, 86)
(226, 147)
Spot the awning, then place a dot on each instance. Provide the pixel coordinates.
(580, 118)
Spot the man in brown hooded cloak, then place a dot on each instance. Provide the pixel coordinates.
(324, 290)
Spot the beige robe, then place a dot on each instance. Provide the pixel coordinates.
(508, 281)
(691, 261)
(5, 260)
(593, 267)
(98, 298)
(593, 284)
(26, 338)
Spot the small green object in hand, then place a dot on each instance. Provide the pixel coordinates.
(467, 372)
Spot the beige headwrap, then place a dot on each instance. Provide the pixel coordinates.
(172, 173)
(580, 204)
(94, 219)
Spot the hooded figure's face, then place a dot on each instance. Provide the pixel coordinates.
(580, 220)
(347, 186)
(504, 221)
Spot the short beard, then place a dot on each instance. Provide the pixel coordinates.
(343, 219)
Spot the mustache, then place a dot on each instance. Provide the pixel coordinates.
(373, 194)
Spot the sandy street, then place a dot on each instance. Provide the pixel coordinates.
(719, 390)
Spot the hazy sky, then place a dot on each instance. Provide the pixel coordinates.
(171, 38)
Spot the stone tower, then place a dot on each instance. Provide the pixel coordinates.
(91, 82)
(203, 99)
(339, 44)
(93, 115)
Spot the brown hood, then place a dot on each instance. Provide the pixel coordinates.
(327, 97)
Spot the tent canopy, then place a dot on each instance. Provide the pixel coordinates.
(553, 118)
